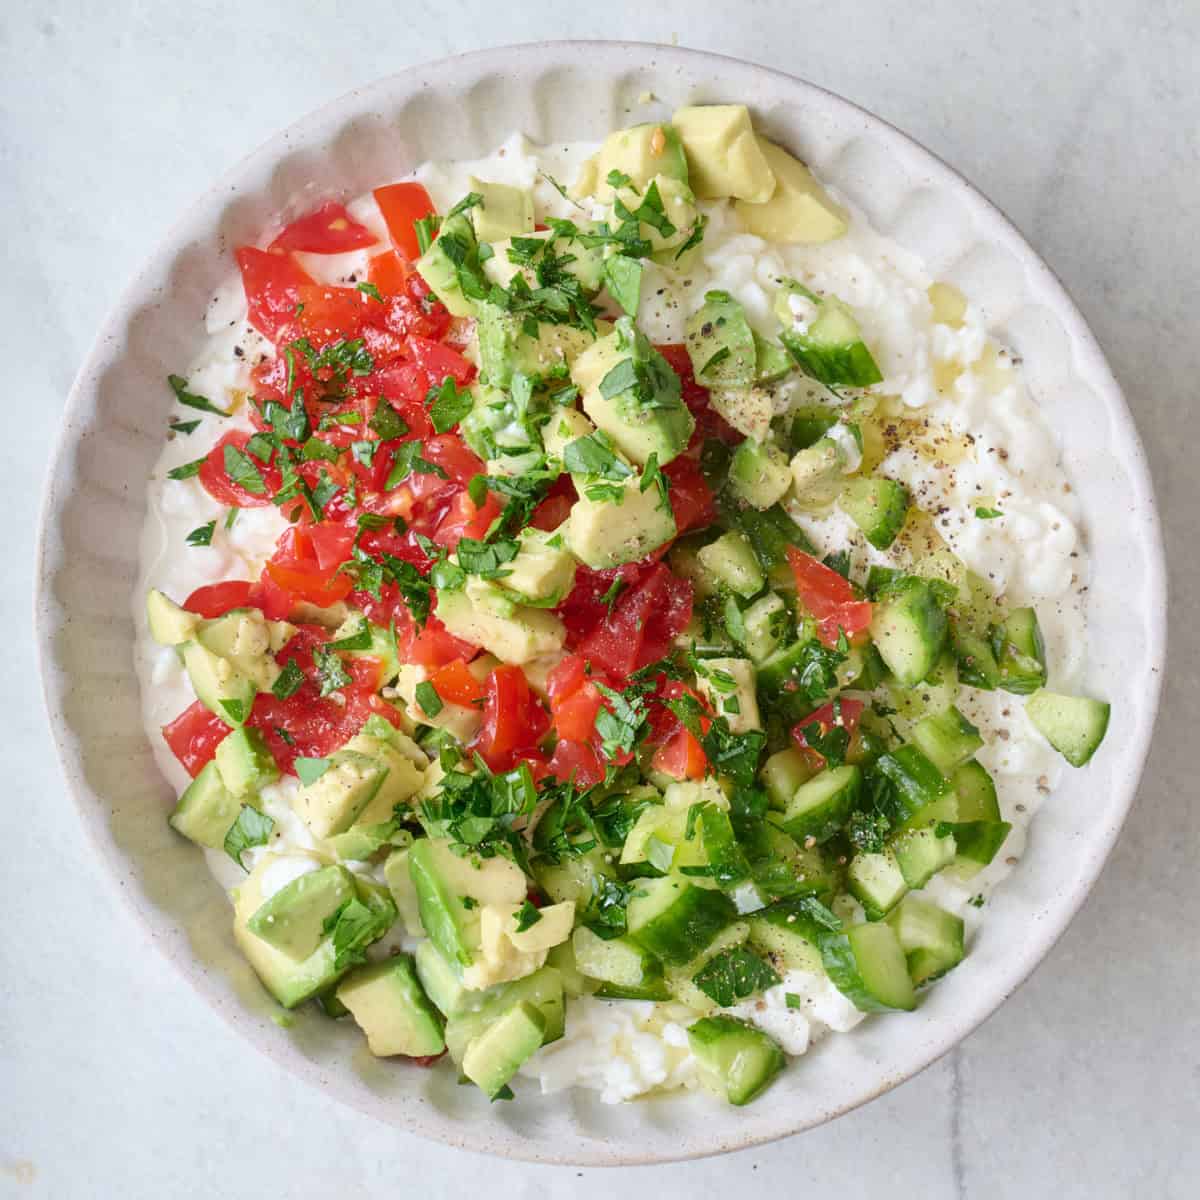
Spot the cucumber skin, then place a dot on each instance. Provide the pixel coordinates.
(678, 934)
(1061, 720)
(705, 1038)
(841, 965)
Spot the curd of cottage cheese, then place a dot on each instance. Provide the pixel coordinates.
(983, 444)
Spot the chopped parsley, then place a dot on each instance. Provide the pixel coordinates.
(527, 916)
(241, 470)
(202, 535)
(428, 698)
(330, 670)
(252, 828)
(289, 681)
(733, 975)
(187, 470)
(179, 386)
(447, 405)
(185, 427)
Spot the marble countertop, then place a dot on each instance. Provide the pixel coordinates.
(1082, 121)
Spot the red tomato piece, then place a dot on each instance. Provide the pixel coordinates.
(329, 229)
(272, 283)
(577, 761)
(691, 498)
(709, 423)
(331, 544)
(388, 272)
(566, 676)
(434, 646)
(194, 736)
(416, 310)
(276, 602)
(455, 684)
(218, 484)
(643, 625)
(216, 599)
(828, 597)
(330, 314)
(401, 204)
(681, 757)
(575, 715)
(439, 361)
(846, 715)
(465, 519)
(309, 583)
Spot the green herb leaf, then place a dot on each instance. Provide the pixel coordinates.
(486, 559)
(187, 470)
(428, 698)
(470, 200)
(289, 681)
(236, 710)
(623, 278)
(354, 927)
(252, 828)
(447, 405)
(331, 671)
(792, 1000)
(202, 535)
(733, 975)
(369, 289)
(593, 455)
(179, 386)
(241, 470)
(387, 422)
(184, 426)
(527, 916)
(605, 914)
(310, 770)
(360, 639)
(988, 514)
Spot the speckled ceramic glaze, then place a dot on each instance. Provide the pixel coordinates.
(94, 508)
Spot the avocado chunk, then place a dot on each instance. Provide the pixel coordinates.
(169, 624)
(721, 343)
(543, 571)
(724, 155)
(452, 258)
(771, 361)
(759, 473)
(206, 810)
(666, 214)
(503, 212)
(566, 425)
(248, 640)
(604, 533)
(878, 507)
(632, 394)
(505, 347)
(404, 773)
(730, 562)
(391, 1008)
(442, 982)
(245, 762)
(749, 410)
(799, 210)
(496, 1055)
(333, 801)
(403, 891)
(293, 920)
(729, 684)
(534, 252)
(515, 636)
(641, 153)
(218, 685)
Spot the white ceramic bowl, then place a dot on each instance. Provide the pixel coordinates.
(464, 106)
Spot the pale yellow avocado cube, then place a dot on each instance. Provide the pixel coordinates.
(458, 719)
(526, 633)
(404, 891)
(403, 779)
(541, 573)
(565, 426)
(679, 207)
(333, 801)
(601, 533)
(169, 624)
(504, 211)
(738, 703)
(799, 210)
(723, 153)
(748, 410)
(552, 927)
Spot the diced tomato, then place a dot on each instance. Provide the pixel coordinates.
(382, 345)
(456, 685)
(218, 484)
(513, 720)
(276, 602)
(566, 676)
(591, 597)
(216, 599)
(846, 714)
(272, 283)
(312, 584)
(330, 314)
(575, 715)
(434, 645)
(405, 386)
(577, 761)
(709, 423)
(465, 519)
(454, 457)
(401, 204)
(691, 498)
(331, 544)
(416, 310)
(329, 229)
(194, 736)
(551, 513)
(643, 625)
(829, 597)
(439, 361)
(681, 757)
(388, 272)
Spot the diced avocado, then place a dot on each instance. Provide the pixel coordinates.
(442, 982)
(868, 966)
(877, 506)
(543, 572)
(749, 410)
(245, 762)
(293, 919)
(909, 629)
(831, 350)
(289, 981)
(553, 926)
(799, 210)
(783, 773)
(403, 890)
(729, 685)
(525, 634)
(586, 262)
(382, 646)
(391, 1008)
(723, 154)
(454, 248)
(459, 720)
(506, 347)
(667, 216)
(731, 563)
(759, 473)
(404, 775)
(566, 425)
(631, 393)
(720, 343)
(817, 471)
(451, 926)
(169, 624)
(1073, 725)
(218, 685)
(771, 361)
(603, 533)
(333, 801)
(247, 640)
(504, 211)
(361, 842)
(931, 938)
(641, 153)
(1020, 652)
(206, 809)
(764, 625)
(735, 1060)
(496, 1055)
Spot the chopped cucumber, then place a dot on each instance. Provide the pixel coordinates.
(730, 562)
(878, 507)
(624, 969)
(783, 773)
(764, 625)
(735, 1060)
(931, 938)
(977, 666)
(948, 739)
(789, 935)
(759, 474)
(917, 781)
(1073, 725)
(876, 882)
(1020, 652)
(820, 807)
(909, 629)
(921, 854)
(675, 920)
(832, 351)
(867, 965)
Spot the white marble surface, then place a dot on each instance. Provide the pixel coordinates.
(1081, 120)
